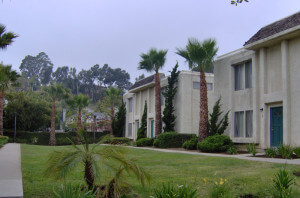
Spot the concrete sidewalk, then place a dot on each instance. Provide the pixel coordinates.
(10, 171)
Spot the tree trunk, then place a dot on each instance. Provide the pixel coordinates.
(79, 126)
(158, 123)
(52, 141)
(88, 174)
(112, 112)
(203, 130)
(1, 110)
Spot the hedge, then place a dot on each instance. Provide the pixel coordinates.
(144, 142)
(3, 140)
(215, 143)
(116, 140)
(42, 138)
(172, 139)
(190, 144)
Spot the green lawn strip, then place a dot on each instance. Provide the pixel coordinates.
(244, 176)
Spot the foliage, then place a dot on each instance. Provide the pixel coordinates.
(172, 139)
(297, 151)
(69, 191)
(238, 1)
(282, 183)
(116, 140)
(140, 77)
(79, 102)
(251, 148)
(143, 128)
(215, 143)
(6, 38)
(61, 163)
(27, 106)
(190, 144)
(232, 150)
(220, 189)
(168, 113)
(3, 140)
(119, 121)
(175, 191)
(271, 152)
(214, 125)
(286, 151)
(144, 142)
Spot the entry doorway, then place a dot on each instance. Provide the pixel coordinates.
(276, 126)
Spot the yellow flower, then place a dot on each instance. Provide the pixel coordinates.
(204, 180)
(216, 183)
(221, 182)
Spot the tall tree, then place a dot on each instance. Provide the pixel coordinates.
(142, 131)
(200, 57)
(168, 113)
(56, 92)
(119, 121)
(7, 77)
(154, 60)
(6, 38)
(113, 95)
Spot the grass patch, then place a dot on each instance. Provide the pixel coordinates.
(245, 177)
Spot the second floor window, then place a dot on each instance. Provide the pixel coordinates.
(130, 104)
(243, 76)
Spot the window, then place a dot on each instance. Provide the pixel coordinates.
(162, 97)
(129, 129)
(243, 76)
(196, 85)
(241, 129)
(130, 104)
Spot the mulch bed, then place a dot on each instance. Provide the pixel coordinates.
(277, 156)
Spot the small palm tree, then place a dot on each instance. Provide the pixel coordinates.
(94, 158)
(200, 57)
(154, 61)
(7, 77)
(114, 95)
(6, 38)
(79, 102)
(56, 92)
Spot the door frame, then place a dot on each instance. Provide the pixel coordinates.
(270, 122)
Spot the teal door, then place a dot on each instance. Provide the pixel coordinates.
(152, 128)
(276, 126)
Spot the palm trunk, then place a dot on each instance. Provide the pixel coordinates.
(112, 112)
(203, 130)
(88, 174)
(158, 123)
(79, 126)
(1, 110)
(52, 141)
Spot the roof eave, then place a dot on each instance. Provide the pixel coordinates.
(137, 89)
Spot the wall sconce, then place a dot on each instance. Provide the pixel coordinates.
(261, 109)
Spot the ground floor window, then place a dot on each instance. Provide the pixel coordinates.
(243, 123)
(129, 129)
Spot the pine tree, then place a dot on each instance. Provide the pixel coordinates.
(143, 129)
(118, 123)
(214, 126)
(168, 113)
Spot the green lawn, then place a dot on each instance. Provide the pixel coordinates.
(243, 176)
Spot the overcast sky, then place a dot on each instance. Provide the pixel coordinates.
(82, 33)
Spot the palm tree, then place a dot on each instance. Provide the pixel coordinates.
(114, 95)
(56, 92)
(112, 159)
(79, 102)
(153, 61)
(200, 57)
(6, 38)
(7, 77)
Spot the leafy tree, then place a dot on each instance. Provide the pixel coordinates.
(56, 92)
(140, 77)
(154, 61)
(238, 1)
(119, 121)
(6, 38)
(93, 157)
(143, 129)
(168, 113)
(7, 77)
(61, 74)
(200, 56)
(214, 125)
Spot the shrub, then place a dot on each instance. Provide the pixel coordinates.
(251, 148)
(172, 139)
(172, 191)
(282, 184)
(215, 143)
(271, 152)
(190, 144)
(216, 126)
(144, 142)
(68, 191)
(286, 151)
(220, 189)
(117, 140)
(297, 151)
(3, 140)
(232, 150)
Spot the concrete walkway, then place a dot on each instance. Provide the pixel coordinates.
(240, 156)
(10, 171)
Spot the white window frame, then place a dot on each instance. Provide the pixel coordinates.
(243, 118)
(242, 75)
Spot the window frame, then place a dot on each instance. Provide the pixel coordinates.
(130, 105)
(242, 75)
(246, 122)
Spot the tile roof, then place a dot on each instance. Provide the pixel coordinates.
(142, 82)
(276, 27)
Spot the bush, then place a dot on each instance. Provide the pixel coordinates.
(190, 144)
(282, 184)
(232, 150)
(297, 151)
(270, 152)
(3, 140)
(144, 142)
(172, 191)
(68, 191)
(251, 148)
(220, 189)
(117, 140)
(215, 143)
(172, 139)
(286, 151)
